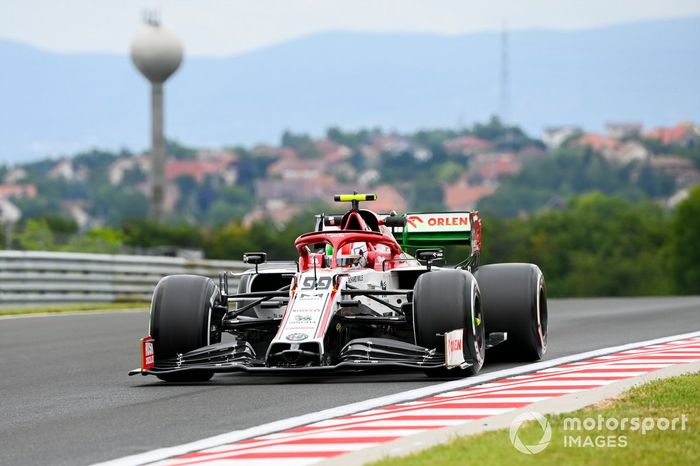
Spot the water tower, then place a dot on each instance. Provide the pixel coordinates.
(157, 53)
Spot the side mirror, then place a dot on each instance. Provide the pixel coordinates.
(395, 221)
(255, 258)
(429, 256)
(332, 220)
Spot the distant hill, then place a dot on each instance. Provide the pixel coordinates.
(54, 103)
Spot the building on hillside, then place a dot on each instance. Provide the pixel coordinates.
(282, 195)
(170, 197)
(69, 171)
(422, 154)
(332, 152)
(221, 163)
(265, 150)
(462, 196)
(683, 134)
(342, 171)
(554, 136)
(76, 210)
(677, 197)
(490, 168)
(622, 129)
(118, 169)
(280, 214)
(627, 152)
(392, 143)
(388, 199)
(216, 155)
(198, 169)
(15, 175)
(467, 146)
(371, 155)
(597, 142)
(295, 191)
(9, 213)
(16, 191)
(368, 177)
(682, 170)
(613, 149)
(296, 169)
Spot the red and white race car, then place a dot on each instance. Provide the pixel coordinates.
(355, 300)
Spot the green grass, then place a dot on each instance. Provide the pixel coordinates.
(8, 311)
(669, 398)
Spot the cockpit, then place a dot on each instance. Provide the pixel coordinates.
(355, 239)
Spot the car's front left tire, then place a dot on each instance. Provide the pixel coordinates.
(181, 313)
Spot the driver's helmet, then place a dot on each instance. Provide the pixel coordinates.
(352, 255)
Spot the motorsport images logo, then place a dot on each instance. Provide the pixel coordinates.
(590, 432)
(544, 440)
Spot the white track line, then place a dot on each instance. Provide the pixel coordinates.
(410, 395)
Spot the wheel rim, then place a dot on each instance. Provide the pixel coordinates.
(541, 322)
(479, 331)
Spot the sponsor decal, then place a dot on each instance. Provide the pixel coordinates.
(304, 318)
(297, 336)
(356, 278)
(147, 354)
(414, 220)
(299, 327)
(311, 303)
(454, 354)
(456, 221)
(310, 296)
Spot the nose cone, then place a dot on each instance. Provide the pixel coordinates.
(156, 52)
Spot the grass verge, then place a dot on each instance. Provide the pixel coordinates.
(668, 398)
(9, 311)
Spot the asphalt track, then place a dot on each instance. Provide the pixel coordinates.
(65, 397)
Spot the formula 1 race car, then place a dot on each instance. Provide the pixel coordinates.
(355, 300)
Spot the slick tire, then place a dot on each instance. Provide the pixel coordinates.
(180, 320)
(515, 301)
(443, 301)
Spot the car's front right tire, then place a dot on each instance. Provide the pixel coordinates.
(446, 300)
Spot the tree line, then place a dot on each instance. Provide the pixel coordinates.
(595, 245)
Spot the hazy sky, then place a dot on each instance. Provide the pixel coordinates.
(221, 27)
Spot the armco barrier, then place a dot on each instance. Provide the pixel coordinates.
(28, 277)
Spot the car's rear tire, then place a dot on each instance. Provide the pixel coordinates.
(447, 300)
(515, 300)
(181, 313)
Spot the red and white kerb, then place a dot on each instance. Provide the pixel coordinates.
(333, 437)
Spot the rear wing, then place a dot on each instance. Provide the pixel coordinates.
(437, 229)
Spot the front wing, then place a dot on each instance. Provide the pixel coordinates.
(365, 354)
